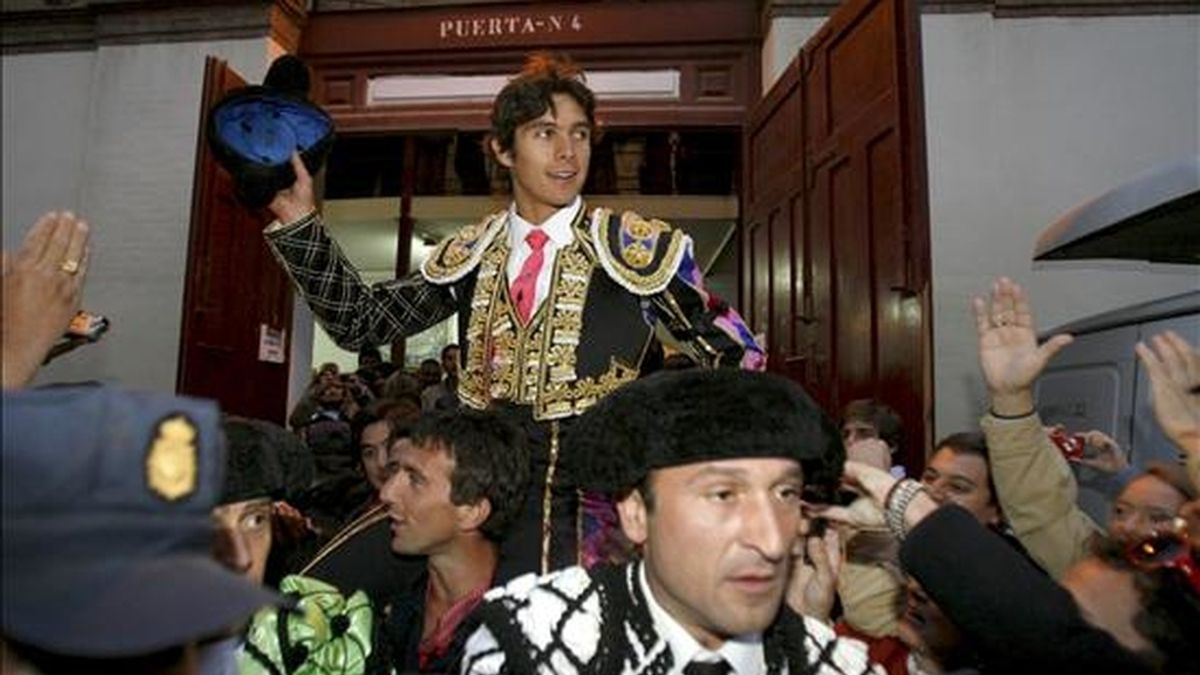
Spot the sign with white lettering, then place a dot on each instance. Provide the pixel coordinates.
(482, 27)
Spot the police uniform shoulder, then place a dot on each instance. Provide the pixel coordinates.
(458, 254)
(640, 254)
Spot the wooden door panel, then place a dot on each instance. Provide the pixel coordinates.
(885, 212)
(823, 380)
(760, 268)
(233, 287)
(853, 296)
(856, 260)
(860, 61)
(782, 286)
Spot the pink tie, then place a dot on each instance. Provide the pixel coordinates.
(525, 287)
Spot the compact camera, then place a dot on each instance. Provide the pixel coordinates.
(1070, 445)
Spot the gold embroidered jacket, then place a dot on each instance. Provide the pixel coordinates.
(616, 280)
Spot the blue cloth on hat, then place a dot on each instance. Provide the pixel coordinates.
(107, 528)
(265, 127)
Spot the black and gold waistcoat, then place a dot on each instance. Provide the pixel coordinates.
(590, 334)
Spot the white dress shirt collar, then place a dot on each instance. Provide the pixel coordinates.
(743, 653)
(557, 226)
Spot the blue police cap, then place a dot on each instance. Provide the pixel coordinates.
(107, 528)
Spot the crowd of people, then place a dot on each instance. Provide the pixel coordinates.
(556, 493)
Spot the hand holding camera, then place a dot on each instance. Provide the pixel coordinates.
(1092, 448)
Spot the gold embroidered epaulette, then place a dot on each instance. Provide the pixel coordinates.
(639, 254)
(460, 253)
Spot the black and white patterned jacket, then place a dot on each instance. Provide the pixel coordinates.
(597, 622)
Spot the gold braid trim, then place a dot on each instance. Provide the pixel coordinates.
(645, 254)
(534, 364)
(491, 349)
(548, 499)
(460, 253)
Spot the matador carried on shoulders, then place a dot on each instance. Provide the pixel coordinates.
(557, 302)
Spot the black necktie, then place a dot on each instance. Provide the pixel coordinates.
(707, 668)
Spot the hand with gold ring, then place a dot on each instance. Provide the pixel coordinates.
(1009, 354)
(43, 285)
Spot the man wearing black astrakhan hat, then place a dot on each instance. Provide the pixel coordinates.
(707, 468)
(557, 303)
(263, 463)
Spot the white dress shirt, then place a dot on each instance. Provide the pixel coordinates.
(744, 653)
(557, 227)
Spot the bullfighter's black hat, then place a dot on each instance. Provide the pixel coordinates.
(263, 460)
(253, 130)
(674, 418)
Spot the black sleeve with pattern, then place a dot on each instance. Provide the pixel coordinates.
(692, 317)
(354, 313)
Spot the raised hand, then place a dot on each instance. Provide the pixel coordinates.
(43, 285)
(813, 586)
(872, 451)
(293, 203)
(1009, 354)
(1105, 455)
(876, 485)
(1174, 370)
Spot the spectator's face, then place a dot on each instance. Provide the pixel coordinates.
(332, 393)
(1147, 503)
(430, 373)
(854, 431)
(326, 376)
(372, 447)
(1107, 599)
(924, 628)
(450, 362)
(549, 159)
(961, 478)
(717, 542)
(424, 521)
(243, 537)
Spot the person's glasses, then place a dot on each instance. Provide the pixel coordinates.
(1167, 549)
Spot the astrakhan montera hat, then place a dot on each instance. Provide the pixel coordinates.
(252, 132)
(673, 418)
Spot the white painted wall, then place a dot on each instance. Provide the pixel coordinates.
(785, 36)
(1025, 118)
(112, 134)
(44, 120)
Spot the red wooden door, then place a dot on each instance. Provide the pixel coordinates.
(234, 290)
(836, 241)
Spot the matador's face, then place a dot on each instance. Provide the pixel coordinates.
(549, 159)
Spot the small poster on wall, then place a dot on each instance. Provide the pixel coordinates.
(271, 343)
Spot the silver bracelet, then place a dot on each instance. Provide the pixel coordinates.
(897, 504)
